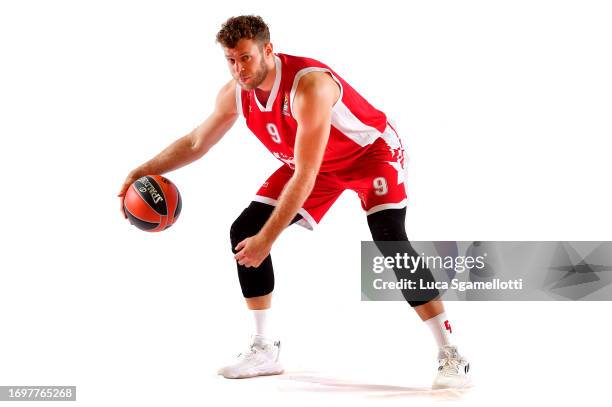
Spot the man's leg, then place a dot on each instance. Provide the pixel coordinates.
(388, 225)
(389, 233)
(429, 310)
(257, 284)
(259, 303)
(260, 307)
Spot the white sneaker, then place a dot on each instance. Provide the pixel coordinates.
(260, 359)
(453, 369)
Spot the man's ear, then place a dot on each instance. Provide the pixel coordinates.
(268, 49)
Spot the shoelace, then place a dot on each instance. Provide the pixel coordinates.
(249, 353)
(450, 363)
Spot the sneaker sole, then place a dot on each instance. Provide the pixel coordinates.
(269, 371)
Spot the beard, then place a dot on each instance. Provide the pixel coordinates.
(256, 78)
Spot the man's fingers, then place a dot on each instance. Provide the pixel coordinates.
(240, 245)
(243, 261)
(124, 188)
(121, 195)
(123, 207)
(240, 254)
(242, 257)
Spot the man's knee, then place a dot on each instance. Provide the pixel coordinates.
(250, 221)
(259, 281)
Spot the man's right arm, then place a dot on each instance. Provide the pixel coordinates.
(194, 145)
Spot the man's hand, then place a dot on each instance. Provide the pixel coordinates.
(194, 145)
(132, 176)
(252, 251)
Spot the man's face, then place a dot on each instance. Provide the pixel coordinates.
(247, 63)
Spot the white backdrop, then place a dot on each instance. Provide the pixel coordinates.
(504, 108)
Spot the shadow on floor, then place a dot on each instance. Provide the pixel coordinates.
(313, 382)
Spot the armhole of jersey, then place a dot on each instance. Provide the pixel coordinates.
(239, 100)
(303, 72)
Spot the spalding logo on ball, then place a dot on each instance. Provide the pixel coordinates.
(152, 203)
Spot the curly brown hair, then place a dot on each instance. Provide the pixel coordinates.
(237, 28)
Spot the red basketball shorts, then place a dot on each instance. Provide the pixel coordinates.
(377, 177)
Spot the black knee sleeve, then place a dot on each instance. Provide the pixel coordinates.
(389, 225)
(254, 281)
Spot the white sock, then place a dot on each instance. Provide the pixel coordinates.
(261, 317)
(441, 329)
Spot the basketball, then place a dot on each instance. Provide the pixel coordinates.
(152, 203)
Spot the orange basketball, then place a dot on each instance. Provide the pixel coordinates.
(152, 203)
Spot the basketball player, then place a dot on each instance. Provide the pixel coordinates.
(328, 138)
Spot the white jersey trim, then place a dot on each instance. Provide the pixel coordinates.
(304, 71)
(239, 100)
(382, 207)
(348, 124)
(274, 91)
(307, 221)
(344, 120)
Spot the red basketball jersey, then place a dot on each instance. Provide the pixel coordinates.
(355, 123)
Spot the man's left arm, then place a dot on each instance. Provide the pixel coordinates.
(315, 97)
